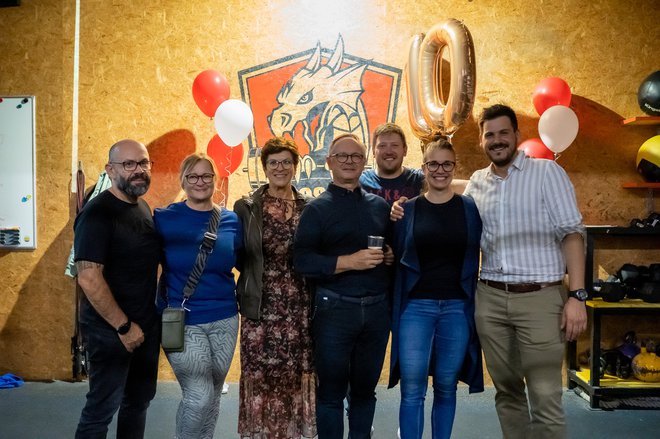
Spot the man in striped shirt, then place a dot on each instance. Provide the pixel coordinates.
(532, 235)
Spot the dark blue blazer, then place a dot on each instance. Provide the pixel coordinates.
(408, 274)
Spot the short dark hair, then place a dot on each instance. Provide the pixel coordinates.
(388, 128)
(495, 111)
(279, 144)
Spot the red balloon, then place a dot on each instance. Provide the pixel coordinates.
(550, 92)
(210, 89)
(537, 149)
(226, 158)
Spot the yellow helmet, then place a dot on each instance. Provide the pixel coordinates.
(648, 159)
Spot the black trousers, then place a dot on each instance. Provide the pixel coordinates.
(118, 380)
(349, 348)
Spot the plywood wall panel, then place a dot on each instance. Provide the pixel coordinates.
(36, 298)
(138, 61)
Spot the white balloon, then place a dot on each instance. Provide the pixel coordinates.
(558, 127)
(233, 121)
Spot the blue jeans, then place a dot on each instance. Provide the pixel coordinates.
(118, 380)
(433, 334)
(349, 347)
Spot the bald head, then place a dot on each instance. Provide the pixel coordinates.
(129, 169)
(125, 147)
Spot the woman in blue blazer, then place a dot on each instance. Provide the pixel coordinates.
(436, 245)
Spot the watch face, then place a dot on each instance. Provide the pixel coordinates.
(123, 329)
(581, 295)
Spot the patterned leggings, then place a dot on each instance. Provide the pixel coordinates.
(201, 370)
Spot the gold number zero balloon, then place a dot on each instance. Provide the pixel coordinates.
(427, 113)
(420, 128)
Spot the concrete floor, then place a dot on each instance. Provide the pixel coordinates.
(51, 411)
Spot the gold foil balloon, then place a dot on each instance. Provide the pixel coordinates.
(429, 115)
(417, 122)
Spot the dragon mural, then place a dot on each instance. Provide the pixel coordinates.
(324, 96)
(315, 103)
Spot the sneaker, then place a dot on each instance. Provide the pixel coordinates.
(225, 388)
(372, 431)
(398, 433)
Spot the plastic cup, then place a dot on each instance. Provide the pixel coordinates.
(375, 242)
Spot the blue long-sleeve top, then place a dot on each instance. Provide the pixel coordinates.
(334, 224)
(182, 230)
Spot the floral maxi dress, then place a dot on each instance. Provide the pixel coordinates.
(277, 386)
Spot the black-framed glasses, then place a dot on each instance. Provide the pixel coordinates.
(274, 164)
(342, 157)
(131, 165)
(433, 166)
(194, 178)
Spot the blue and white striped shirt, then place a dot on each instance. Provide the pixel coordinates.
(525, 217)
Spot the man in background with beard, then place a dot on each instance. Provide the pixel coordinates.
(390, 179)
(117, 253)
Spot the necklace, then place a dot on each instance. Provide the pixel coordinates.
(283, 206)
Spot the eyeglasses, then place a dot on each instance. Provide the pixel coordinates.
(342, 157)
(274, 164)
(131, 165)
(434, 166)
(194, 178)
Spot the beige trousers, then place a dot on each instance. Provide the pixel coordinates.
(523, 344)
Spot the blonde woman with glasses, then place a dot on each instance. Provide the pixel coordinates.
(211, 325)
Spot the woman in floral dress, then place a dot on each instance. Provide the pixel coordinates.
(277, 386)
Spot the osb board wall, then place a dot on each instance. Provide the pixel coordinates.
(36, 302)
(137, 64)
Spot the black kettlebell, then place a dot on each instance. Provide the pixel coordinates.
(652, 221)
(654, 273)
(637, 223)
(623, 366)
(650, 292)
(629, 275)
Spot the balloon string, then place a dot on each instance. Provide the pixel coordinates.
(223, 200)
(228, 162)
(557, 155)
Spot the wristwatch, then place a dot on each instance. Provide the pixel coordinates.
(123, 329)
(579, 294)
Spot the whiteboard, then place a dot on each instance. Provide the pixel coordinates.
(18, 224)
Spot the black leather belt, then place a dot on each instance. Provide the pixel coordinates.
(519, 288)
(367, 300)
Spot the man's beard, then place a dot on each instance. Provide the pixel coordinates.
(134, 190)
(510, 156)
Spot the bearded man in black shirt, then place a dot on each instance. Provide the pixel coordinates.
(117, 253)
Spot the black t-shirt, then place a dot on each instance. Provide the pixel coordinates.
(440, 232)
(122, 237)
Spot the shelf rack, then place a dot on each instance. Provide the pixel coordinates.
(601, 391)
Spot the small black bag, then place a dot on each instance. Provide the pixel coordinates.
(173, 321)
(172, 329)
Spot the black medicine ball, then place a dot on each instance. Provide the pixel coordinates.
(648, 95)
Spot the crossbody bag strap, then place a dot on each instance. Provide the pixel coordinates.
(205, 249)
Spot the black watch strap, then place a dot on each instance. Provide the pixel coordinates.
(580, 294)
(123, 329)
